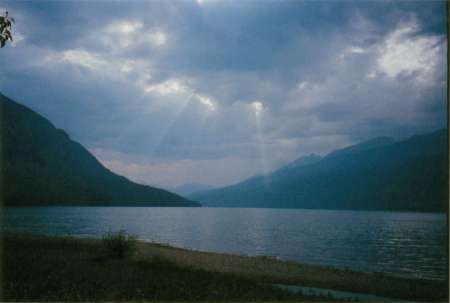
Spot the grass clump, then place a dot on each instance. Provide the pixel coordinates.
(119, 244)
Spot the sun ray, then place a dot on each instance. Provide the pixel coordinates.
(258, 108)
(166, 129)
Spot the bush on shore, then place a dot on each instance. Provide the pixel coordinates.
(120, 244)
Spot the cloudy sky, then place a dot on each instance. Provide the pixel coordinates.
(214, 91)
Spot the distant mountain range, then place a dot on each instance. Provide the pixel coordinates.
(189, 188)
(380, 174)
(41, 166)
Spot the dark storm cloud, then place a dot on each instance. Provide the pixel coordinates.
(161, 89)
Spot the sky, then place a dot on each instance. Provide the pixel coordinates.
(212, 92)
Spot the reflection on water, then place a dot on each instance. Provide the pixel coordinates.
(406, 244)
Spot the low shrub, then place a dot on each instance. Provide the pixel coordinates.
(119, 244)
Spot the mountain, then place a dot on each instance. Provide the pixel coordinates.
(380, 174)
(305, 160)
(255, 182)
(373, 143)
(41, 165)
(189, 188)
(293, 167)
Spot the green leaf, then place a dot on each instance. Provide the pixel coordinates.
(8, 35)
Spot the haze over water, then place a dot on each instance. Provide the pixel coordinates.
(403, 244)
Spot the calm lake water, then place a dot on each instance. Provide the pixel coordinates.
(404, 244)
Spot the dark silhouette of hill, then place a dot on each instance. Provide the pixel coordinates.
(380, 174)
(41, 165)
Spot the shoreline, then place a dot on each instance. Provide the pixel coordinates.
(225, 207)
(269, 270)
(317, 266)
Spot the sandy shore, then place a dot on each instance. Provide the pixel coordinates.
(271, 270)
(27, 256)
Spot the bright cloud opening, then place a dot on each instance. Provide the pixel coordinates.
(258, 107)
(206, 101)
(407, 52)
(128, 34)
(82, 58)
(157, 38)
(126, 27)
(171, 86)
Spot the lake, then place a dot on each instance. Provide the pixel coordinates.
(403, 244)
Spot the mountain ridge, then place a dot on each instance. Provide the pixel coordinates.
(406, 175)
(365, 145)
(42, 165)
